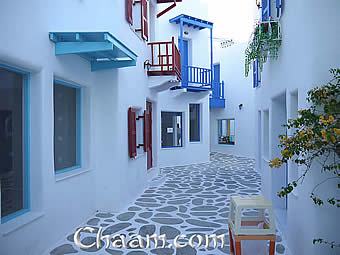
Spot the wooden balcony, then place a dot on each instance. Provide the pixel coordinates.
(165, 59)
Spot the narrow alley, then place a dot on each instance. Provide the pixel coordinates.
(187, 200)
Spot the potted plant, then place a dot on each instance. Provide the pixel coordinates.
(265, 42)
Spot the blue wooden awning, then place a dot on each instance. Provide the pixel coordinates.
(189, 21)
(102, 49)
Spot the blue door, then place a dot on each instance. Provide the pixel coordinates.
(185, 62)
(217, 79)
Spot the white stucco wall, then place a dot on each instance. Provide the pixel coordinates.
(190, 152)
(108, 179)
(199, 55)
(310, 47)
(199, 40)
(238, 90)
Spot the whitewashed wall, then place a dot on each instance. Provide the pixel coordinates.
(109, 180)
(199, 55)
(191, 152)
(238, 90)
(310, 47)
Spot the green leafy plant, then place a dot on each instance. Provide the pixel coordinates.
(315, 139)
(265, 42)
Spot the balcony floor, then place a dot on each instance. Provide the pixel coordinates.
(184, 200)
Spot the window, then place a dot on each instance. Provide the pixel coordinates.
(66, 127)
(137, 15)
(14, 147)
(226, 131)
(171, 129)
(194, 122)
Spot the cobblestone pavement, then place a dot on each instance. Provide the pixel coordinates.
(192, 199)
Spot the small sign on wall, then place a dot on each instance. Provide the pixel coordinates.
(169, 130)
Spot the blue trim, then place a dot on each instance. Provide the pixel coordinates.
(184, 50)
(27, 135)
(14, 215)
(217, 85)
(256, 74)
(192, 74)
(68, 169)
(26, 140)
(266, 10)
(219, 131)
(190, 21)
(101, 49)
(216, 103)
(79, 112)
(278, 8)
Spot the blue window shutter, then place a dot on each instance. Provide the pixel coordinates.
(278, 8)
(255, 74)
(266, 10)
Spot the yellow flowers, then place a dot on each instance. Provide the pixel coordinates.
(336, 131)
(310, 132)
(275, 163)
(301, 134)
(332, 138)
(326, 120)
(286, 153)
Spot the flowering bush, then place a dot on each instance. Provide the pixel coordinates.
(316, 138)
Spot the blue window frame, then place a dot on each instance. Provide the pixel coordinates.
(172, 129)
(226, 131)
(256, 74)
(194, 122)
(67, 126)
(278, 8)
(184, 43)
(266, 10)
(14, 140)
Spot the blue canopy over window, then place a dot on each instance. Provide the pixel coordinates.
(190, 21)
(101, 49)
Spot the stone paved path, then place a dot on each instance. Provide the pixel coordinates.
(192, 199)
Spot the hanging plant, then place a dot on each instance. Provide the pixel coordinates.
(265, 42)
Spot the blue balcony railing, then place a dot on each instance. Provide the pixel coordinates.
(218, 90)
(196, 76)
(217, 98)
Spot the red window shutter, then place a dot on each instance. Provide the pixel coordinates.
(145, 23)
(147, 137)
(132, 137)
(128, 11)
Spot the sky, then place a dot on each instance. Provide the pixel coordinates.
(233, 19)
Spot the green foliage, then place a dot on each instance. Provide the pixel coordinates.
(265, 43)
(316, 138)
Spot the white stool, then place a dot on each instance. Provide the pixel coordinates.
(251, 218)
